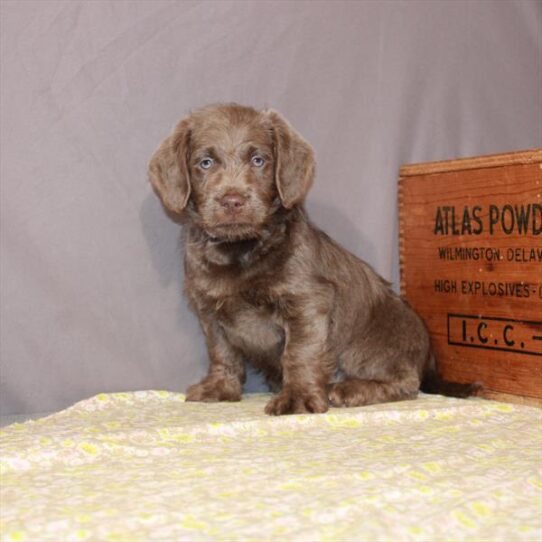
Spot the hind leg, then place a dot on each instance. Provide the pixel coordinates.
(353, 392)
(385, 359)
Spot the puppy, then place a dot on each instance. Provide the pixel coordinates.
(269, 287)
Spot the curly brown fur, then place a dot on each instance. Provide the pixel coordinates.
(268, 286)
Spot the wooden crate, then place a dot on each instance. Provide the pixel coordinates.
(471, 266)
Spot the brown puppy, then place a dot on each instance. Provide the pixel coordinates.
(268, 286)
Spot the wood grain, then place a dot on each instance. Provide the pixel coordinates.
(476, 162)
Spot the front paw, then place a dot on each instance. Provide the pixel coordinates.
(213, 390)
(290, 401)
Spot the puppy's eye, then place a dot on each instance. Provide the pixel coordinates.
(206, 163)
(257, 161)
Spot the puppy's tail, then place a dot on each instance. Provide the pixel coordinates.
(433, 383)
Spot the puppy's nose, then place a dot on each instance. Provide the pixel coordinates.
(232, 202)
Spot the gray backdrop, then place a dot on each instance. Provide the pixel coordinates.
(90, 267)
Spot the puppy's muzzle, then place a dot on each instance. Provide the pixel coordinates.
(232, 202)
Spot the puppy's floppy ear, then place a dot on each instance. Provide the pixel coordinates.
(294, 168)
(168, 169)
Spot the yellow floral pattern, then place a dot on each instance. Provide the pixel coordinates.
(147, 466)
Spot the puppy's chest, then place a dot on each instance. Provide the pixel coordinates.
(251, 323)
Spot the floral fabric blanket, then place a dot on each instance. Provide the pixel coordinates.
(146, 466)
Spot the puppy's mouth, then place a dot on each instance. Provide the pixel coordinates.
(236, 231)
